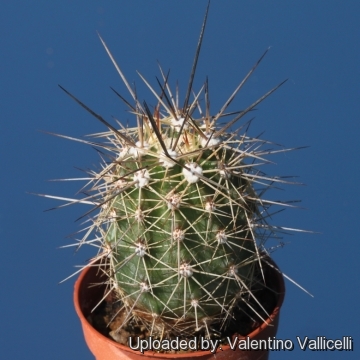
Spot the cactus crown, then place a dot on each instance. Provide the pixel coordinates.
(179, 210)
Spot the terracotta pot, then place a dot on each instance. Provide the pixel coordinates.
(103, 348)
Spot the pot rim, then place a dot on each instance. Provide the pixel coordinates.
(275, 313)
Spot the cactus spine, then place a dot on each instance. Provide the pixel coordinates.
(179, 219)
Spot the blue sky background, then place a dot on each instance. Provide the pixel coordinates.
(45, 43)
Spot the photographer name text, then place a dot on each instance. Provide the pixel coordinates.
(320, 343)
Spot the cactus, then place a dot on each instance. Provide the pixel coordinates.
(179, 219)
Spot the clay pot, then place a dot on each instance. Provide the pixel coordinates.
(103, 348)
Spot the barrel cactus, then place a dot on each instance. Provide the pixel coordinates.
(178, 210)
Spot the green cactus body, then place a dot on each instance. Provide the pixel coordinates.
(181, 247)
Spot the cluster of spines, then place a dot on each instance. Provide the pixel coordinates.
(144, 166)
